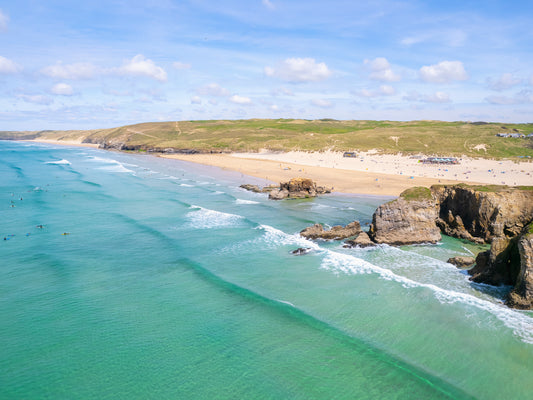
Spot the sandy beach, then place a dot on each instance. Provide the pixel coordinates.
(76, 143)
(368, 173)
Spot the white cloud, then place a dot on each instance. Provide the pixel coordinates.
(196, 100)
(4, 20)
(8, 67)
(74, 71)
(299, 70)
(142, 66)
(437, 97)
(63, 89)
(240, 99)
(180, 65)
(268, 4)
(444, 72)
(35, 98)
(274, 107)
(323, 103)
(381, 70)
(213, 89)
(505, 81)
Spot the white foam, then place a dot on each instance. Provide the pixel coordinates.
(60, 162)
(520, 323)
(204, 218)
(116, 168)
(186, 185)
(241, 201)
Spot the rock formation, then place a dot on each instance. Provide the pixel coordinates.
(461, 261)
(337, 232)
(409, 219)
(297, 188)
(522, 294)
(362, 240)
(257, 189)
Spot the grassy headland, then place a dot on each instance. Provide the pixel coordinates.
(476, 139)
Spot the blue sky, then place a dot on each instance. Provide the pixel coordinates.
(99, 64)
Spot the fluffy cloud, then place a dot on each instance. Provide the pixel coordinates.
(240, 99)
(505, 81)
(213, 89)
(444, 72)
(8, 67)
(323, 103)
(63, 89)
(142, 66)
(196, 100)
(35, 98)
(381, 70)
(74, 71)
(299, 70)
(180, 65)
(4, 19)
(437, 97)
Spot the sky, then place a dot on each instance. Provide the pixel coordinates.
(101, 64)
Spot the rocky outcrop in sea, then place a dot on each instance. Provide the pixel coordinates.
(337, 232)
(297, 188)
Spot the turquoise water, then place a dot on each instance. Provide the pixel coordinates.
(173, 283)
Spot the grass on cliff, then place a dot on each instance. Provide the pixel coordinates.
(417, 193)
(427, 137)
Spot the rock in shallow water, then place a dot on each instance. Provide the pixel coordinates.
(337, 232)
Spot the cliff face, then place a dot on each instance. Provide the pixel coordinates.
(406, 221)
(522, 294)
(480, 215)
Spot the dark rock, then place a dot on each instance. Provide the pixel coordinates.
(499, 265)
(301, 251)
(362, 240)
(251, 188)
(337, 232)
(461, 261)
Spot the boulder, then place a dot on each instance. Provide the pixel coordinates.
(499, 265)
(409, 219)
(362, 240)
(462, 261)
(337, 232)
(301, 251)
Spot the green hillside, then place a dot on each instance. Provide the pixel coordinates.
(428, 137)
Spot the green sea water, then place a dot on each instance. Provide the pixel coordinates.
(131, 277)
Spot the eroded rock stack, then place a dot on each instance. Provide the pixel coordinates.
(409, 219)
(337, 232)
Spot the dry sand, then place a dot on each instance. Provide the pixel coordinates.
(369, 173)
(76, 143)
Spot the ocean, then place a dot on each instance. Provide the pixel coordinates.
(126, 276)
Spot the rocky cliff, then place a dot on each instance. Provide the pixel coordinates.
(522, 294)
(409, 219)
(481, 213)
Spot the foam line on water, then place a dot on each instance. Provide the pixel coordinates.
(242, 201)
(205, 218)
(59, 162)
(519, 323)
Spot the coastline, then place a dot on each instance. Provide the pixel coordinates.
(369, 173)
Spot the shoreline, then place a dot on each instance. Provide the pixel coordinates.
(369, 173)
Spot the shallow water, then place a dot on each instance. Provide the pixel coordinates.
(155, 278)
